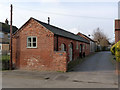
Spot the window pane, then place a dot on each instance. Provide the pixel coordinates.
(34, 44)
(29, 44)
(29, 40)
(34, 39)
(1, 35)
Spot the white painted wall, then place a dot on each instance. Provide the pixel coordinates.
(93, 46)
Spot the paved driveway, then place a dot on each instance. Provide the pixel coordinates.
(97, 71)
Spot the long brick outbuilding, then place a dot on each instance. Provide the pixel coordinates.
(41, 46)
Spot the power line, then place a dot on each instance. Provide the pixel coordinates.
(61, 14)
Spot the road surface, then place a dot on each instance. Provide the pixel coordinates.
(97, 71)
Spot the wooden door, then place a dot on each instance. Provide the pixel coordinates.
(71, 52)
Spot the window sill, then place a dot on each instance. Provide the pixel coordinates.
(31, 47)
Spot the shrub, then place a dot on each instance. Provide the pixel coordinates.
(5, 62)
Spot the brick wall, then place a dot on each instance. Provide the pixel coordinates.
(41, 58)
(5, 48)
(117, 36)
(117, 24)
(59, 61)
(76, 51)
(117, 30)
(55, 43)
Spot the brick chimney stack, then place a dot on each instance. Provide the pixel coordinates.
(117, 30)
(6, 21)
(48, 20)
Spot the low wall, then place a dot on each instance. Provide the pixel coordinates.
(56, 62)
(60, 61)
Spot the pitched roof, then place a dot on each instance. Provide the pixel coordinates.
(86, 36)
(6, 28)
(62, 32)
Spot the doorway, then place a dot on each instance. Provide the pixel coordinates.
(80, 52)
(71, 52)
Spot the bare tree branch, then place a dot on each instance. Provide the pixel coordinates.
(100, 37)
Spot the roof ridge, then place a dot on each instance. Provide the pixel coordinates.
(53, 26)
(86, 36)
(6, 28)
(60, 31)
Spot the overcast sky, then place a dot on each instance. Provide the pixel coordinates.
(72, 15)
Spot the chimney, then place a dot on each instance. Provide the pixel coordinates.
(48, 20)
(117, 30)
(79, 34)
(6, 21)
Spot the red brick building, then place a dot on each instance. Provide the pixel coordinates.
(41, 46)
(93, 44)
(117, 30)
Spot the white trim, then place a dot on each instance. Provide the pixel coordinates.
(31, 41)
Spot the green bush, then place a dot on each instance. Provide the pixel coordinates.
(5, 57)
(5, 62)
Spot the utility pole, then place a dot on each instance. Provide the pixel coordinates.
(11, 36)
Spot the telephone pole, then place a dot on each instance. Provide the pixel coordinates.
(11, 36)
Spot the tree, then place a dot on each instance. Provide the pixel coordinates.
(113, 42)
(100, 38)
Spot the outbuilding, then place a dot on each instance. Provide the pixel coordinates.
(93, 44)
(41, 46)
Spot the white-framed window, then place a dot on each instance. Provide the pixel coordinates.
(1, 35)
(31, 42)
(8, 36)
(77, 45)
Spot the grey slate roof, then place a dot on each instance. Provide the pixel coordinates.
(61, 32)
(88, 37)
(6, 28)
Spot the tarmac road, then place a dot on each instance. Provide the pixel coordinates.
(97, 71)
